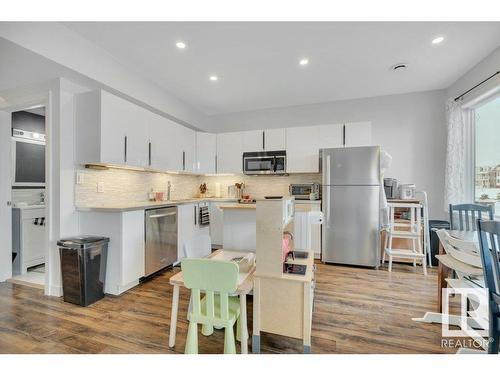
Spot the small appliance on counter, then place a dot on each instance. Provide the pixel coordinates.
(407, 191)
(391, 188)
(309, 191)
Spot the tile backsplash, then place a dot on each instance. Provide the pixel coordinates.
(121, 186)
(259, 186)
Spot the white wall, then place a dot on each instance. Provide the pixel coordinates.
(411, 127)
(481, 71)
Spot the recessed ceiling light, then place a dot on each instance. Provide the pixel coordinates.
(437, 40)
(213, 78)
(180, 45)
(303, 62)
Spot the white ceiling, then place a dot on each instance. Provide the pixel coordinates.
(258, 62)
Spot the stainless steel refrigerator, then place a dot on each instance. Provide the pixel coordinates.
(350, 197)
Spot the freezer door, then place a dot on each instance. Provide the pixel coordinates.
(351, 229)
(352, 165)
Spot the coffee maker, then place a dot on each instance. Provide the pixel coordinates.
(391, 188)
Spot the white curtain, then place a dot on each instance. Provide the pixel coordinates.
(456, 151)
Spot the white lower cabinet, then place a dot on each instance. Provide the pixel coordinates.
(125, 263)
(28, 238)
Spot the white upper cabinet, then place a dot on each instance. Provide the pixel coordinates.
(263, 140)
(110, 130)
(252, 140)
(187, 141)
(274, 139)
(302, 149)
(329, 136)
(229, 152)
(358, 134)
(206, 151)
(160, 130)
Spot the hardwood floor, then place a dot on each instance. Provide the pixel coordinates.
(357, 310)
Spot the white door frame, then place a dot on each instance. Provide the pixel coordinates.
(19, 105)
(6, 198)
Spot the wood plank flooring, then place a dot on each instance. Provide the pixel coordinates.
(357, 310)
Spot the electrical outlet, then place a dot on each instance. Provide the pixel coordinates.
(79, 178)
(100, 187)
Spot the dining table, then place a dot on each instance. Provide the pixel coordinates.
(244, 287)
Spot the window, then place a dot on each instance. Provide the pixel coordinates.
(487, 153)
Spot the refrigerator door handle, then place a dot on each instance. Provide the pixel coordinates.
(326, 178)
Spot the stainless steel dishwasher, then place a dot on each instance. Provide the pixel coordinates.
(161, 238)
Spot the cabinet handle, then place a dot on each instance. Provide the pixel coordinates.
(343, 135)
(149, 151)
(263, 140)
(183, 160)
(125, 149)
(194, 214)
(216, 166)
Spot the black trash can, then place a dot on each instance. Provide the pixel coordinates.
(433, 226)
(83, 268)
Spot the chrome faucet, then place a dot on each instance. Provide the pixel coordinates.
(169, 187)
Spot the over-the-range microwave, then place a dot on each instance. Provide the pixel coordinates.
(264, 162)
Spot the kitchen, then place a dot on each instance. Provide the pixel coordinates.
(147, 183)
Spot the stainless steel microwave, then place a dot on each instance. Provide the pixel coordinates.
(266, 162)
(28, 159)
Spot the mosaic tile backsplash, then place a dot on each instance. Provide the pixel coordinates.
(127, 186)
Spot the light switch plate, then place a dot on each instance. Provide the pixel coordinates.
(79, 178)
(100, 187)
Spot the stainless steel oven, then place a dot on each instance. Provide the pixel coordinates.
(267, 162)
(161, 238)
(28, 159)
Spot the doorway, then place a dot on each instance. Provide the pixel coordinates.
(29, 221)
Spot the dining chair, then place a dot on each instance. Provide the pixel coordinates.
(198, 246)
(217, 279)
(489, 233)
(467, 214)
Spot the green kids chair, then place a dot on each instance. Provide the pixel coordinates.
(217, 279)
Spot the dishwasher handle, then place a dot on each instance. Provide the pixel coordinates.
(161, 215)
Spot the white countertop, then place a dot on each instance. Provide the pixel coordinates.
(29, 207)
(133, 206)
